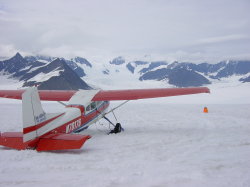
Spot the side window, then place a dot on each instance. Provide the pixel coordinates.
(88, 108)
(93, 105)
(98, 103)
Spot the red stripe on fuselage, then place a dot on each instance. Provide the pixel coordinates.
(35, 127)
(62, 129)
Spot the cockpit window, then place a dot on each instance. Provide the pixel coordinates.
(98, 103)
(88, 108)
(93, 105)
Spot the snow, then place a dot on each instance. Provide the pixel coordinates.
(225, 91)
(115, 80)
(167, 141)
(215, 73)
(44, 61)
(162, 145)
(25, 68)
(35, 68)
(41, 77)
(246, 75)
(7, 83)
(160, 67)
(221, 93)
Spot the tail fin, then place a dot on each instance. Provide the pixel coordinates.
(33, 113)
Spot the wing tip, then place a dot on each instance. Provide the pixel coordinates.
(207, 90)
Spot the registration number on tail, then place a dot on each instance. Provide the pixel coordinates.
(72, 126)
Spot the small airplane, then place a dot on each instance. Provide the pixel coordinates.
(60, 131)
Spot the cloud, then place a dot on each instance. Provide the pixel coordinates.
(220, 39)
(111, 28)
(9, 50)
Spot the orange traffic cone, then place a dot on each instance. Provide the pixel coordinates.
(205, 110)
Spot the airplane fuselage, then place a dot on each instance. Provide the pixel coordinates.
(88, 115)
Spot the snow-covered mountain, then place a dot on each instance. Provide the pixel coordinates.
(49, 73)
(56, 73)
(178, 74)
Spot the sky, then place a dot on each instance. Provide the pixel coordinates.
(100, 30)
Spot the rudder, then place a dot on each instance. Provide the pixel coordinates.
(33, 113)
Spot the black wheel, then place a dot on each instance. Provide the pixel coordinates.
(117, 129)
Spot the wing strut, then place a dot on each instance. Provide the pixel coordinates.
(117, 127)
(116, 107)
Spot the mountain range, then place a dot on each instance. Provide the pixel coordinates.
(78, 73)
(46, 73)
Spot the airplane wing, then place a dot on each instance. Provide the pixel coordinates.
(108, 95)
(45, 95)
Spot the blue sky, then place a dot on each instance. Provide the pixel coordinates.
(184, 30)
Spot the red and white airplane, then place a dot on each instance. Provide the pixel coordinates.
(59, 131)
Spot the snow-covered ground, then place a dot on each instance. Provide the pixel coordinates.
(167, 142)
(163, 145)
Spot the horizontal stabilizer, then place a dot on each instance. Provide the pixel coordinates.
(13, 140)
(61, 142)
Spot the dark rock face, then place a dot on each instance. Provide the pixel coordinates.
(207, 68)
(67, 79)
(67, 74)
(137, 63)
(234, 68)
(159, 74)
(130, 67)
(186, 78)
(39, 58)
(151, 66)
(79, 71)
(247, 79)
(24, 70)
(54, 65)
(118, 61)
(189, 74)
(106, 72)
(14, 64)
(73, 63)
(82, 61)
(221, 69)
(179, 77)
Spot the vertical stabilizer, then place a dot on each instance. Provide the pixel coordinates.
(33, 113)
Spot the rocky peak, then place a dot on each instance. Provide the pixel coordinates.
(82, 61)
(118, 61)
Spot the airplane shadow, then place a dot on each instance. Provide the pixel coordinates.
(70, 151)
